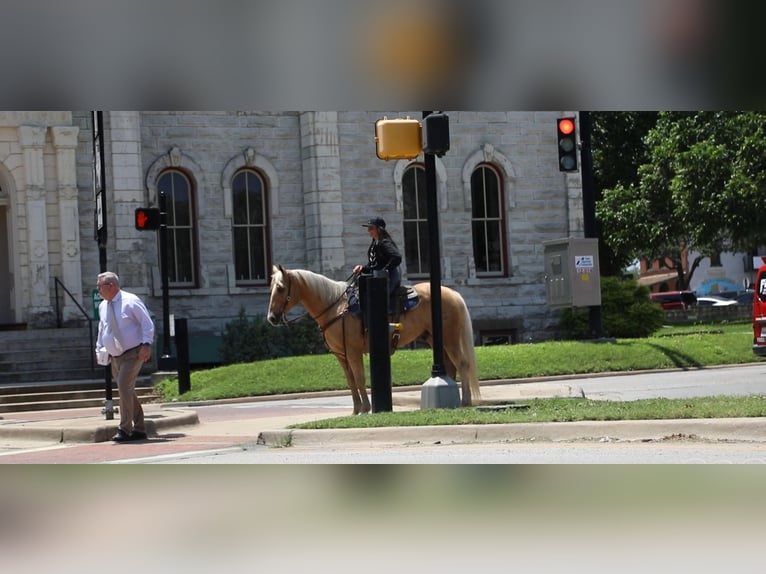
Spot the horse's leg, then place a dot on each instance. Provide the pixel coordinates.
(356, 368)
(452, 371)
(351, 385)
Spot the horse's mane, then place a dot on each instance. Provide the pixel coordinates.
(324, 287)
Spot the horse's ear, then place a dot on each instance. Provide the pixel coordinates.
(281, 269)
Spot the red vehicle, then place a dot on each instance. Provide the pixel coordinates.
(759, 313)
(675, 299)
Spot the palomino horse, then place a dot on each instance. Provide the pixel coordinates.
(325, 300)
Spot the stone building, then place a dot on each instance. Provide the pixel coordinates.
(248, 189)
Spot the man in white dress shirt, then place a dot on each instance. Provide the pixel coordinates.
(126, 331)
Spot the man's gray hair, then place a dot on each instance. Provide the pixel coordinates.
(109, 276)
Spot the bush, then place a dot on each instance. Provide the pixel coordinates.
(246, 340)
(626, 312)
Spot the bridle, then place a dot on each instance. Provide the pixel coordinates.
(287, 322)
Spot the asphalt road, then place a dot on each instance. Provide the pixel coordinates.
(691, 452)
(227, 433)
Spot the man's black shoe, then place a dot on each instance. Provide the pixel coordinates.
(121, 436)
(137, 435)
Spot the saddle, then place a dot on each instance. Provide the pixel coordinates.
(402, 300)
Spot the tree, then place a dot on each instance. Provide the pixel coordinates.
(699, 190)
(618, 147)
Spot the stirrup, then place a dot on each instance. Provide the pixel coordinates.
(395, 332)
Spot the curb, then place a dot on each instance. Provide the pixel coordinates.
(736, 430)
(82, 430)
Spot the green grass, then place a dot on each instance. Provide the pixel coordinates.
(559, 410)
(679, 347)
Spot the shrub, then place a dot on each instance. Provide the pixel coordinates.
(626, 312)
(254, 339)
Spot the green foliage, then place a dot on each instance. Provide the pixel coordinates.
(626, 312)
(688, 348)
(246, 340)
(559, 410)
(702, 179)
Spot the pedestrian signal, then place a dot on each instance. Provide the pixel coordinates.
(147, 218)
(400, 138)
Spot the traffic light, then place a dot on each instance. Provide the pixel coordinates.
(567, 143)
(400, 138)
(436, 134)
(147, 218)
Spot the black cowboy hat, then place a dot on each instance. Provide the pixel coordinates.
(376, 221)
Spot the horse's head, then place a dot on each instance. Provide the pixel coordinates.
(281, 299)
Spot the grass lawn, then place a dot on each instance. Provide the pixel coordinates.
(676, 347)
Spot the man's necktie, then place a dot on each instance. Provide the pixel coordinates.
(115, 327)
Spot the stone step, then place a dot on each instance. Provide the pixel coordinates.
(66, 394)
(65, 404)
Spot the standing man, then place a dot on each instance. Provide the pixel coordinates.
(126, 331)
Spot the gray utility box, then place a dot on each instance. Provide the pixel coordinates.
(572, 275)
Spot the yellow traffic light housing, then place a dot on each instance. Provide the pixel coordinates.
(399, 138)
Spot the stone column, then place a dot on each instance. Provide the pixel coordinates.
(40, 310)
(322, 199)
(65, 143)
(125, 181)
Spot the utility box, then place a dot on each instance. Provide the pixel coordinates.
(572, 274)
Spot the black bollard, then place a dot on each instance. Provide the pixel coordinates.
(376, 308)
(182, 354)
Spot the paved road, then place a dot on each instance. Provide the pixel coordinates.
(225, 428)
(692, 452)
(733, 381)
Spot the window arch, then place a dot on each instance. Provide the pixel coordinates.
(250, 230)
(415, 221)
(181, 231)
(488, 222)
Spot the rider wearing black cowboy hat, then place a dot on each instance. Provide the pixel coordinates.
(382, 255)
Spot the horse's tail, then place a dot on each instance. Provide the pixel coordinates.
(469, 369)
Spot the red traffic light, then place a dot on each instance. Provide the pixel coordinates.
(567, 144)
(147, 218)
(566, 126)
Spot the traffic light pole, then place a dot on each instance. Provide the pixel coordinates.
(165, 362)
(99, 192)
(440, 391)
(589, 208)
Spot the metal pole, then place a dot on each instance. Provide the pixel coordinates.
(99, 192)
(432, 211)
(376, 307)
(440, 390)
(589, 208)
(182, 352)
(165, 362)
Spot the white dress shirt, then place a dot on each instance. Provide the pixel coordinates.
(134, 324)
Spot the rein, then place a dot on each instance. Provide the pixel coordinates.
(350, 280)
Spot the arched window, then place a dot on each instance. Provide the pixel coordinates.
(487, 222)
(415, 221)
(250, 227)
(179, 204)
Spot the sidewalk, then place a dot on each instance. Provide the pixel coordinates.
(89, 425)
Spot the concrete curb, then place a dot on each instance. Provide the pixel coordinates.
(84, 430)
(738, 430)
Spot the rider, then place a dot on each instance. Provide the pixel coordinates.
(382, 255)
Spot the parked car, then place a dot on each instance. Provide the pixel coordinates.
(743, 297)
(759, 313)
(715, 301)
(675, 299)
